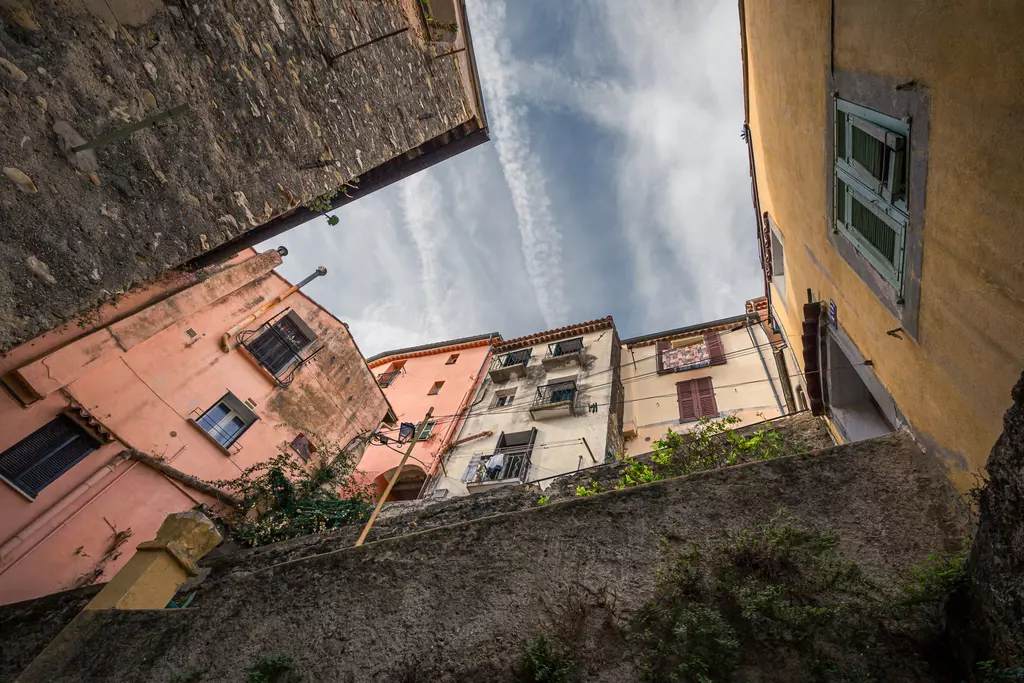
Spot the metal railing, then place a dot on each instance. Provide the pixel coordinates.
(274, 351)
(565, 348)
(385, 379)
(559, 392)
(511, 359)
(515, 465)
(227, 440)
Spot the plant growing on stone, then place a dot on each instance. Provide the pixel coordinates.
(636, 473)
(286, 497)
(715, 443)
(543, 661)
(543, 500)
(272, 669)
(591, 490)
(774, 591)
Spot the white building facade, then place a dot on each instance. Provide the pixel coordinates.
(551, 404)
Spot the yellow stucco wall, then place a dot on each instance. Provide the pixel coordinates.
(741, 385)
(953, 382)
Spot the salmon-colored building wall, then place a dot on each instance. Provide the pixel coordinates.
(145, 395)
(409, 397)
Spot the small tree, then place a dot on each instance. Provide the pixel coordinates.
(286, 497)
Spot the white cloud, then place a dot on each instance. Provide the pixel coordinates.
(675, 105)
(525, 178)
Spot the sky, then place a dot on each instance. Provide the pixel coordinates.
(615, 183)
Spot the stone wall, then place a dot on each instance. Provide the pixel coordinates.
(27, 627)
(456, 603)
(997, 557)
(271, 122)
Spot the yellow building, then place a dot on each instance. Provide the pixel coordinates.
(885, 145)
(730, 367)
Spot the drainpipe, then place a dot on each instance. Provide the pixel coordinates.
(225, 341)
(764, 364)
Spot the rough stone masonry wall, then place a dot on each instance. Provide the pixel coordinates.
(456, 603)
(264, 101)
(997, 557)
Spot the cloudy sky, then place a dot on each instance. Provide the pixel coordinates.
(615, 183)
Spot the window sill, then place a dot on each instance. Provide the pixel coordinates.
(209, 437)
(259, 366)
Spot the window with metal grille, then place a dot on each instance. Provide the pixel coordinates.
(871, 170)
(227, 420)
(41, 457)
(280, 343)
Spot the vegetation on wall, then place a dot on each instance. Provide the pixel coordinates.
(779, 599)
(710, 445)
(285, 497)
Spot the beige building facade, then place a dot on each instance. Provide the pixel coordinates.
(551, 403)
(735, 366)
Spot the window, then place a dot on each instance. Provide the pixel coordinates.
(778, 258)
(696, 399)
(41, 457)
(426, 432)
(510, 459)
(226, 420)
(452, 359)
(871, 187)
(436, 389)
(504, 397)
(277, 345)
(690, 353)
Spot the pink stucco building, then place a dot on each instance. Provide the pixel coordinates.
(445, 376)
(209, 371)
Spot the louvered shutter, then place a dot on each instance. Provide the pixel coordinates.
(661, 347)
(686, 394)
(705, 403)
(45, 454)
(715, 348)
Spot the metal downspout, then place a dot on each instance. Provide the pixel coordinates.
(764, 364)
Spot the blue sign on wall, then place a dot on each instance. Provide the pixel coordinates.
(833, 318)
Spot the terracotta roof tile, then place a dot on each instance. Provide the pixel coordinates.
(558, 333)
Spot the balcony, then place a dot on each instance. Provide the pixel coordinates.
(555, 400)
(515, 465)
(510, 365)
(564, 353)
(278, 345)
(386, 378)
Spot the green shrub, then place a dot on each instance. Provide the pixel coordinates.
(594, 488)
(286, 497)
(636, 473)
(544, 662)
(272, 669)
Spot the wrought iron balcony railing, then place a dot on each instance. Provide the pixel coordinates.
(556, 394)
(565, 348)
(512, 359)
(278, 348)
(510, 364)
(385, 379)
(514, 464)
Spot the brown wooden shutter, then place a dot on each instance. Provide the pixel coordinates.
(706, 405)
(686, 394)
(661, 347)
(715, 348)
